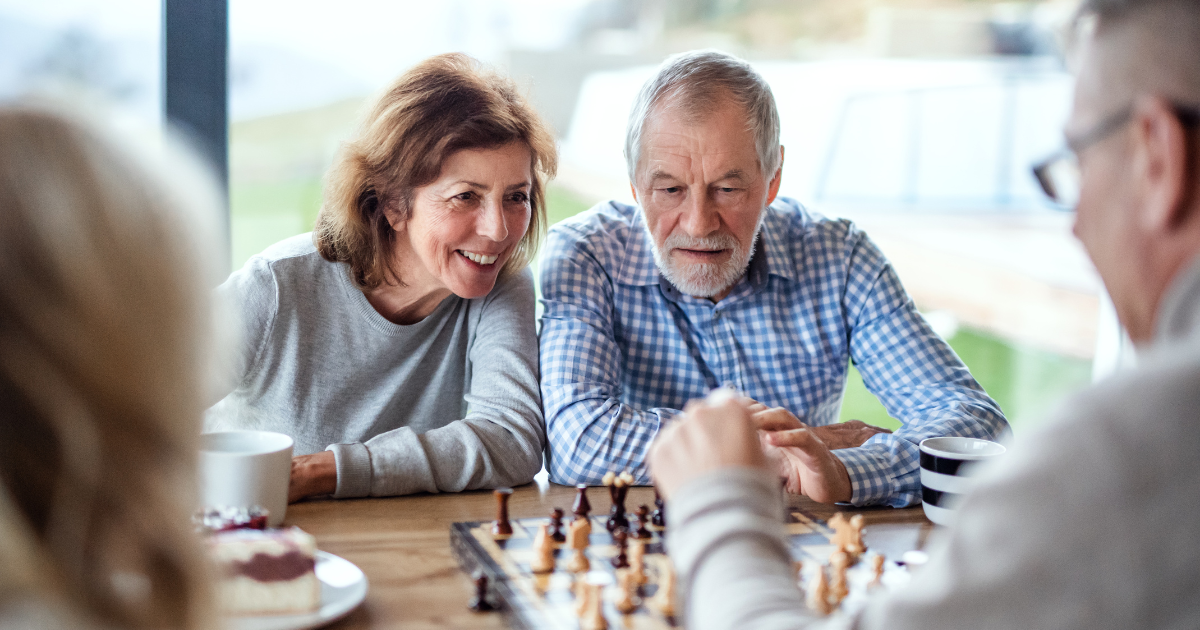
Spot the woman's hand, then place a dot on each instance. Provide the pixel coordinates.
(312, 475)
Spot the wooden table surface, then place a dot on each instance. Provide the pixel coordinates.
(403, 546)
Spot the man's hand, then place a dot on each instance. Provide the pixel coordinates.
(312, 475)
(705, 438)
(808, 466)
(839, 435)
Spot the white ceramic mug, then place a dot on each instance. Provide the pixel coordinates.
(946, 464)
(245, 469)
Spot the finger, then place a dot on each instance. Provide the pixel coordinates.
(776, 419)
(809, 448)
(860, 425)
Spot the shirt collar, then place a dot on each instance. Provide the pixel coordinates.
(637, 266)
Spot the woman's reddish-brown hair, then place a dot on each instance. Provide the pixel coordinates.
(443, 105)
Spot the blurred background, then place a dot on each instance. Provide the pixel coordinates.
(917, 119)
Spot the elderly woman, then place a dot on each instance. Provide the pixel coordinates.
(103, 311)
(396, 344)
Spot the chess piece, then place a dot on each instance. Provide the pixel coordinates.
(543, 551)
(659, 518)
(838, 589)
(640, 531)
(618, 487)
(664, 600)
(502, 527)
(637, 562)
(582, 507)
(798, 570)
(581, 590)
(480, 602)
(556, 533)
(847, 535)
(626, 588)
(818, 594)
(577, 539)
(621, 539)
(856, 538)
(593, 617)
(877, 567)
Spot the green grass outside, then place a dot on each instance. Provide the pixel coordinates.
(1025, 382)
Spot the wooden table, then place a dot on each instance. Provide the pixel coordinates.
(403, 546)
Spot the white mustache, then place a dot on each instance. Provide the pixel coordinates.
(683, 241)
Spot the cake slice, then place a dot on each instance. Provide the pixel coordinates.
(265, 572)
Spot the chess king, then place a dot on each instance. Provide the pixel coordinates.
(712, 280)
(1084, 523)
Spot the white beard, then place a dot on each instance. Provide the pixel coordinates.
(704, 279)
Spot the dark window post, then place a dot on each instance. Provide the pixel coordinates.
(196, 47)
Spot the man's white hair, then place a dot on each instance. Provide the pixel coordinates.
(698, 82)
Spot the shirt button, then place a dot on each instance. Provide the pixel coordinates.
(717, 315)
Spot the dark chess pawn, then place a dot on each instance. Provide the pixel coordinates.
(621, 539)
(659, 518)
(640, 531)
(582, 507)
(480, 602)
(556, 533)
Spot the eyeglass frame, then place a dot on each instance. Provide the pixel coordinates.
(1188, 116)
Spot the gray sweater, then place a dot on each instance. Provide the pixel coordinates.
(1088, 522)
(447, 404)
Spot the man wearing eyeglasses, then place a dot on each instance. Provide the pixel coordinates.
(1090, 522)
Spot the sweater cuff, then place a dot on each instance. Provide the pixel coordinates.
(353, 470)
(718, 505)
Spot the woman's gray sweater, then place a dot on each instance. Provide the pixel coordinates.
(449, 403)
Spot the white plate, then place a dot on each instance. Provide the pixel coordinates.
(343, 587)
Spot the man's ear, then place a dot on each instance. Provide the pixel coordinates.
(1161, 152)
(773, 187)
(633, 191)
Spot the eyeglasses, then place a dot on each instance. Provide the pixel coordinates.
(1059, 173)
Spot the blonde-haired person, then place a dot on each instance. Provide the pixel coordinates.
(102, 318)
(396, 343)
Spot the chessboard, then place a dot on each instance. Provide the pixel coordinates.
(546, 601)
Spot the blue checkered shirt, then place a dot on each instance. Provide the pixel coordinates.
(622, 349)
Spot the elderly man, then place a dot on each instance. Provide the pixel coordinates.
(713, 282)
(1089, 523)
